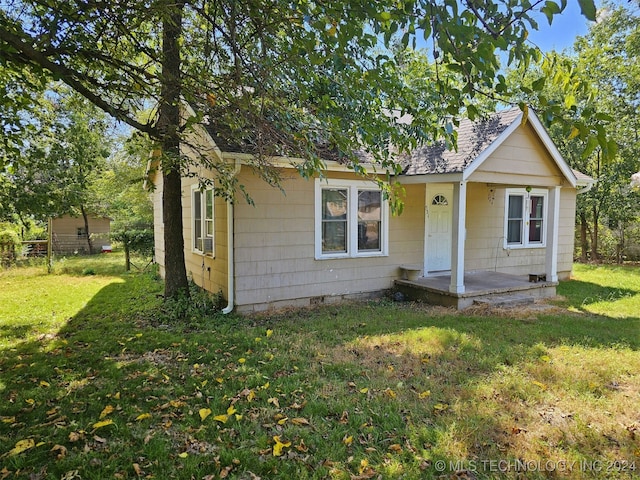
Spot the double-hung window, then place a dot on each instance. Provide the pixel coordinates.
(203, 225)
(525, 218)
(351, 219)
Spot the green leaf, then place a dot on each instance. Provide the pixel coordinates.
(588, 9)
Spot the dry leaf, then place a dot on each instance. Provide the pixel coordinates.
(364, 390)
(539, 384)
(395, 448)
(344, 418)
(226, 471)
(44, 384)
(274, 401)
(106, 411)
(269, 333)
(75, 436)
(21, 446)
(347, 440)
(8, 419)
(138, 470)
(204, 413)
(183, 455)
(221, 418)
(440, 407)
(390, 393)
(425, 394)
(300, 421)
(60, 451)
(71, 475)
(231, 410)
(143, 416)
(279, 446)
(103, 423)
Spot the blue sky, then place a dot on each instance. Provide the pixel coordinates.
(563, 31)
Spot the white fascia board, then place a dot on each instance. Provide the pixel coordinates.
(552, 149)
(292, 162)
(430, 178)
(205, 133)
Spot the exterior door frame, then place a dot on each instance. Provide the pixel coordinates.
(431, 190)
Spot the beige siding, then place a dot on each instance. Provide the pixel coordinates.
(484, 247)
(566, 234)
(158, 223)
(209, 272)
(67, 240)
(521, 159)
(275, 252)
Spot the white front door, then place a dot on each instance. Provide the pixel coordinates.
(438, 232)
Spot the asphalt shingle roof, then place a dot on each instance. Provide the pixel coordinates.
(473, 139)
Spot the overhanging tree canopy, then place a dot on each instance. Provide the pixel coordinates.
(291, 71)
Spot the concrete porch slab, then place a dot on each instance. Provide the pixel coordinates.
(480, 287)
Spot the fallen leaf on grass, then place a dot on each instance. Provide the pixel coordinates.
(75, 436)
(71, 475)
(347, 440)
(4, 473)
(103, 423)
(539, 384)
(221, 418)
(60, 451)
(106, 411)
(440, 407)
(300, 421)
(8, 419)
(21, 446)
(138, 470)
(425, 394)
(204, 413)
(224, 473)
(44, 384)
(279, 446)
(143, 416)
(395, 448)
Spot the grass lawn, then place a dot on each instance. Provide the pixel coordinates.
(97, 381)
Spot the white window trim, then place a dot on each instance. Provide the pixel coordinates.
(352, 187)
(525, 218)
(203, 226)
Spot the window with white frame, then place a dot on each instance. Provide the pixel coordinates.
(525, 218)
(351, 219)
(203, 215)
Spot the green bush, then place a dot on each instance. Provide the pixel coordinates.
(10, 246)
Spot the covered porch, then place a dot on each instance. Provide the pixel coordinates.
(480, 288)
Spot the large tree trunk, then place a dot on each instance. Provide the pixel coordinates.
(169, 123)
(85, 217)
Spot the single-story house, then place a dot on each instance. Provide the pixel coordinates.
(500, 208)
(69, 234)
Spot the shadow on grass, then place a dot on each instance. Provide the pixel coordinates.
(581, 293)
(493, 384)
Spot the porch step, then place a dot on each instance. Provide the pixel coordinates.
(510, 300)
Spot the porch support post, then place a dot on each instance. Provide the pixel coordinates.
(553, 224)
(458, 237)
